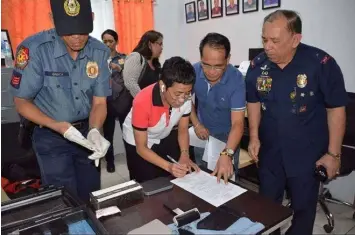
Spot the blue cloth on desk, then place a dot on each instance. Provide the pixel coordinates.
(80, 227)
(241, 226)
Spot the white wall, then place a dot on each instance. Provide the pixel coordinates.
(104, 17)
(326, 24)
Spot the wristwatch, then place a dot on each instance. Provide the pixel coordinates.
(336, 156)
(228, 152)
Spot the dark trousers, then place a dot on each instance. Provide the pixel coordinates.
(302, 190)
(64, 163)
(142, 170)
(109, 129)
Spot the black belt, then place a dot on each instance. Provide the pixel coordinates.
(80, 124)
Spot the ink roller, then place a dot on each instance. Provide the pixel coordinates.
(182, 218)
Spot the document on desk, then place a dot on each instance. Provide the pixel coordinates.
(206, 187)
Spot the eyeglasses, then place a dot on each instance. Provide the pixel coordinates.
(210, 67)
(159, 43)
(183, 96)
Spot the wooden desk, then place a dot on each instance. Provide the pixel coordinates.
(256, 207)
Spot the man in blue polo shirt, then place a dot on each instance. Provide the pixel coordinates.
(220, 94)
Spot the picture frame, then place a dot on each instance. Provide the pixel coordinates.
(268, 4)
(202, 10)
(190, 12)
(5, 37)
(216, 8)
(250, 6)
(231, 9)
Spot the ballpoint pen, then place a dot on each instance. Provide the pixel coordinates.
(173, 160)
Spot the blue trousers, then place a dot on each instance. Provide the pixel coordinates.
(222, 137)
(303, 191)
(64, 163)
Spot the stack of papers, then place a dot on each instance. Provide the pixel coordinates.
(213, 147)
(206, 187)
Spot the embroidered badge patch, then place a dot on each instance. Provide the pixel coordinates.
(302, 80)
(121, 61)
(72, 7)
(92, 69)
(325, 59)
(16, 79)
(22, 57)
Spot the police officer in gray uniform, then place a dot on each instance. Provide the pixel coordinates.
(60, 82)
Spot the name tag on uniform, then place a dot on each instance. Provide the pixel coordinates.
(56, 74)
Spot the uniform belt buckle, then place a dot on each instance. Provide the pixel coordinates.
(78, 125)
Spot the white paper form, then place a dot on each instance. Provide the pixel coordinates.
(206, 187)
(214, 148)
(194, 140)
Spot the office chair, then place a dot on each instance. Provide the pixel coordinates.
(347, 166)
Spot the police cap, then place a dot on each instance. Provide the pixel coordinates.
(72, 16)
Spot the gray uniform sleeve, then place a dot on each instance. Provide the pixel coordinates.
(131, 73)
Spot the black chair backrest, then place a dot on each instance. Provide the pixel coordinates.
(348, 149)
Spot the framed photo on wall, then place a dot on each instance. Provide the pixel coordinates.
(267, 4)
(216, 8)
(202, 7)
(190, 12)
(232, 7)
(250, 6)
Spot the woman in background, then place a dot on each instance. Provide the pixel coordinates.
(142, 67)
(116, 64)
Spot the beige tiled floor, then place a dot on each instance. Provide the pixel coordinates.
(344, 223)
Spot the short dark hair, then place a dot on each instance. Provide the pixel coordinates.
(110, 32)
(177, 70)
(143, 45)
(294, 22)
(216, 40)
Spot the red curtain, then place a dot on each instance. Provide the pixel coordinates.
(132, 19)
(23, 18)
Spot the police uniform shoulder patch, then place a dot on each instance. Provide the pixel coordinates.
(258, 60)
(22, 57)
(16, 79)
(92, 69)
(72, 7)
(325, 59)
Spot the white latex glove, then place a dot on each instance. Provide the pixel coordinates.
(96, 156)
(73, 135)
(100, 143)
